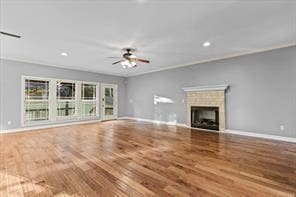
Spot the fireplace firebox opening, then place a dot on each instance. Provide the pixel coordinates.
(205, 117)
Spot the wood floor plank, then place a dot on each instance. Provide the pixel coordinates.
(133, 158)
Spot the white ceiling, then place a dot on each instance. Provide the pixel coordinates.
(168, 33)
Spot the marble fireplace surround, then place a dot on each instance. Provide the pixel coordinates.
(211, 96)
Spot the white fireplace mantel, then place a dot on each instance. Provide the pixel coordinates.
(206, 88)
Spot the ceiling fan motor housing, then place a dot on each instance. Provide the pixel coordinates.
(130, 60)
(127, 55)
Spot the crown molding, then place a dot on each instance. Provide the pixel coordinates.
(40, 63)
(127, 75)
(215, 59)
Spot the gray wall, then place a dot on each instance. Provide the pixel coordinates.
(262, 93)
(10, 84)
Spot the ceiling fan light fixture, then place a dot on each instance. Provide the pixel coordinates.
(124, 63)
(130, 60)
(128, 64)
(133, 64)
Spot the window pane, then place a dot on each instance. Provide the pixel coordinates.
(89, 108)
(66, 103)
(88, 92)
(36, 89)
(109, 111)
(36, 100)
(89, 100)
(107, 92)
(36, 110)
(109, 96)
(66, 108)
(66, 91)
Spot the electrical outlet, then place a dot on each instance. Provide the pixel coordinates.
(282, 127)
(9, 122)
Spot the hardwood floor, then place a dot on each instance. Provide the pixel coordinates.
(128, 158)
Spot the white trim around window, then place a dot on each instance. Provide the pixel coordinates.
(96, 100)
(103, 100)
(60, 99)
(53, 101)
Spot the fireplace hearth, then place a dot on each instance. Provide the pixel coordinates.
(205, 117)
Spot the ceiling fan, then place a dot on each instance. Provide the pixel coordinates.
(129, 59)
(10, 34)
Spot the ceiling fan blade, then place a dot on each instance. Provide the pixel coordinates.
(117, 62)
(9, 34)
(141, 60)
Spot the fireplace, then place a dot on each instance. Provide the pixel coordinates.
(205, 117)
(206, 98)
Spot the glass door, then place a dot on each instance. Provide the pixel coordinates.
(109, 101)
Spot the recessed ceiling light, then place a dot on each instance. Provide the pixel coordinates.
(206, 44)
(64, 54)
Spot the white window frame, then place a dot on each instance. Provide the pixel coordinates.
(76, 114)
(115, 101)
(97, 100)
(52, 100)
(23, 101)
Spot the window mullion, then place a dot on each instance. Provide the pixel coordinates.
(53, 99)
(78, 99)
(97, 100)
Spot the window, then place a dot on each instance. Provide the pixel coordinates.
(66, 99)
(50, 100)
(89, 100)
(109, 101)
(36, 100)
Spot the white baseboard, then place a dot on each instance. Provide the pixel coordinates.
(155, 121)
(31, 128)
(260, 135)
(236, 132)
